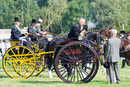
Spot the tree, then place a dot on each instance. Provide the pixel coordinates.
(52, 15)
(76, 9)
(109, 13)
(42, 3)
(25, 9)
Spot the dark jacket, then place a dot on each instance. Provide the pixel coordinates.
(32, 31)
(38, 29)
(123, 37)
(15, 33)
(75, 31)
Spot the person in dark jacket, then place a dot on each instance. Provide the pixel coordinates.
(78, 30)
(122, 33)
(32, 30)
(16, 34)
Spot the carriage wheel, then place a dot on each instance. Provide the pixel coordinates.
(19, 62)
(76, 62)
(40, 61)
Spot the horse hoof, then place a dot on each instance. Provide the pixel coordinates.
(50, 77)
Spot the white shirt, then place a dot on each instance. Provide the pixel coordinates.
(17, 26)
(81, 28)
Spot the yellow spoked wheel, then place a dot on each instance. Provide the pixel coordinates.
(40, 65)
(40, 62)
(19, 62)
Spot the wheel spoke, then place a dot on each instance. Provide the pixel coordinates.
(23, 51)
(14, 54)
(65, 59)
(84, 71)
(68, 55)
(78, 71)
(73, 74)
(71, 52)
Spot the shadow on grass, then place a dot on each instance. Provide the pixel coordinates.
(4, 76)
(42, 82)
(100, 81)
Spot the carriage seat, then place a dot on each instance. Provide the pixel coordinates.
(65, 41)
(14, 42)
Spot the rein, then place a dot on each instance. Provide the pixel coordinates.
(56, 34)
(92, 42)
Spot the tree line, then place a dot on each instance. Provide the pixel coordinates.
(59, 15)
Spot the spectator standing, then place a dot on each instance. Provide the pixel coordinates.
(2, 47)
(7, 45)
(112, 56)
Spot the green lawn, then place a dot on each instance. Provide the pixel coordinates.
(43, 81)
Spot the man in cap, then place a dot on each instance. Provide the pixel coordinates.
(16, 34)
(38, 30)
(32, 30)
(122, 33)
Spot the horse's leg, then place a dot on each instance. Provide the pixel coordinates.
(49, 73)
(50, 63)
(101, 60)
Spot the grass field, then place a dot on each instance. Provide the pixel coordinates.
(42, 80)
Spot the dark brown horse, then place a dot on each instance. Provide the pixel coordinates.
(125, 44)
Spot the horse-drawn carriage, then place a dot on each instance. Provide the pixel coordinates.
(74, 61)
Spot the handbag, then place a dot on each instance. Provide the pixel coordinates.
(106, 65)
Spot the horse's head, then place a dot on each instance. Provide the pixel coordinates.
(105, 32)
(96, 39)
